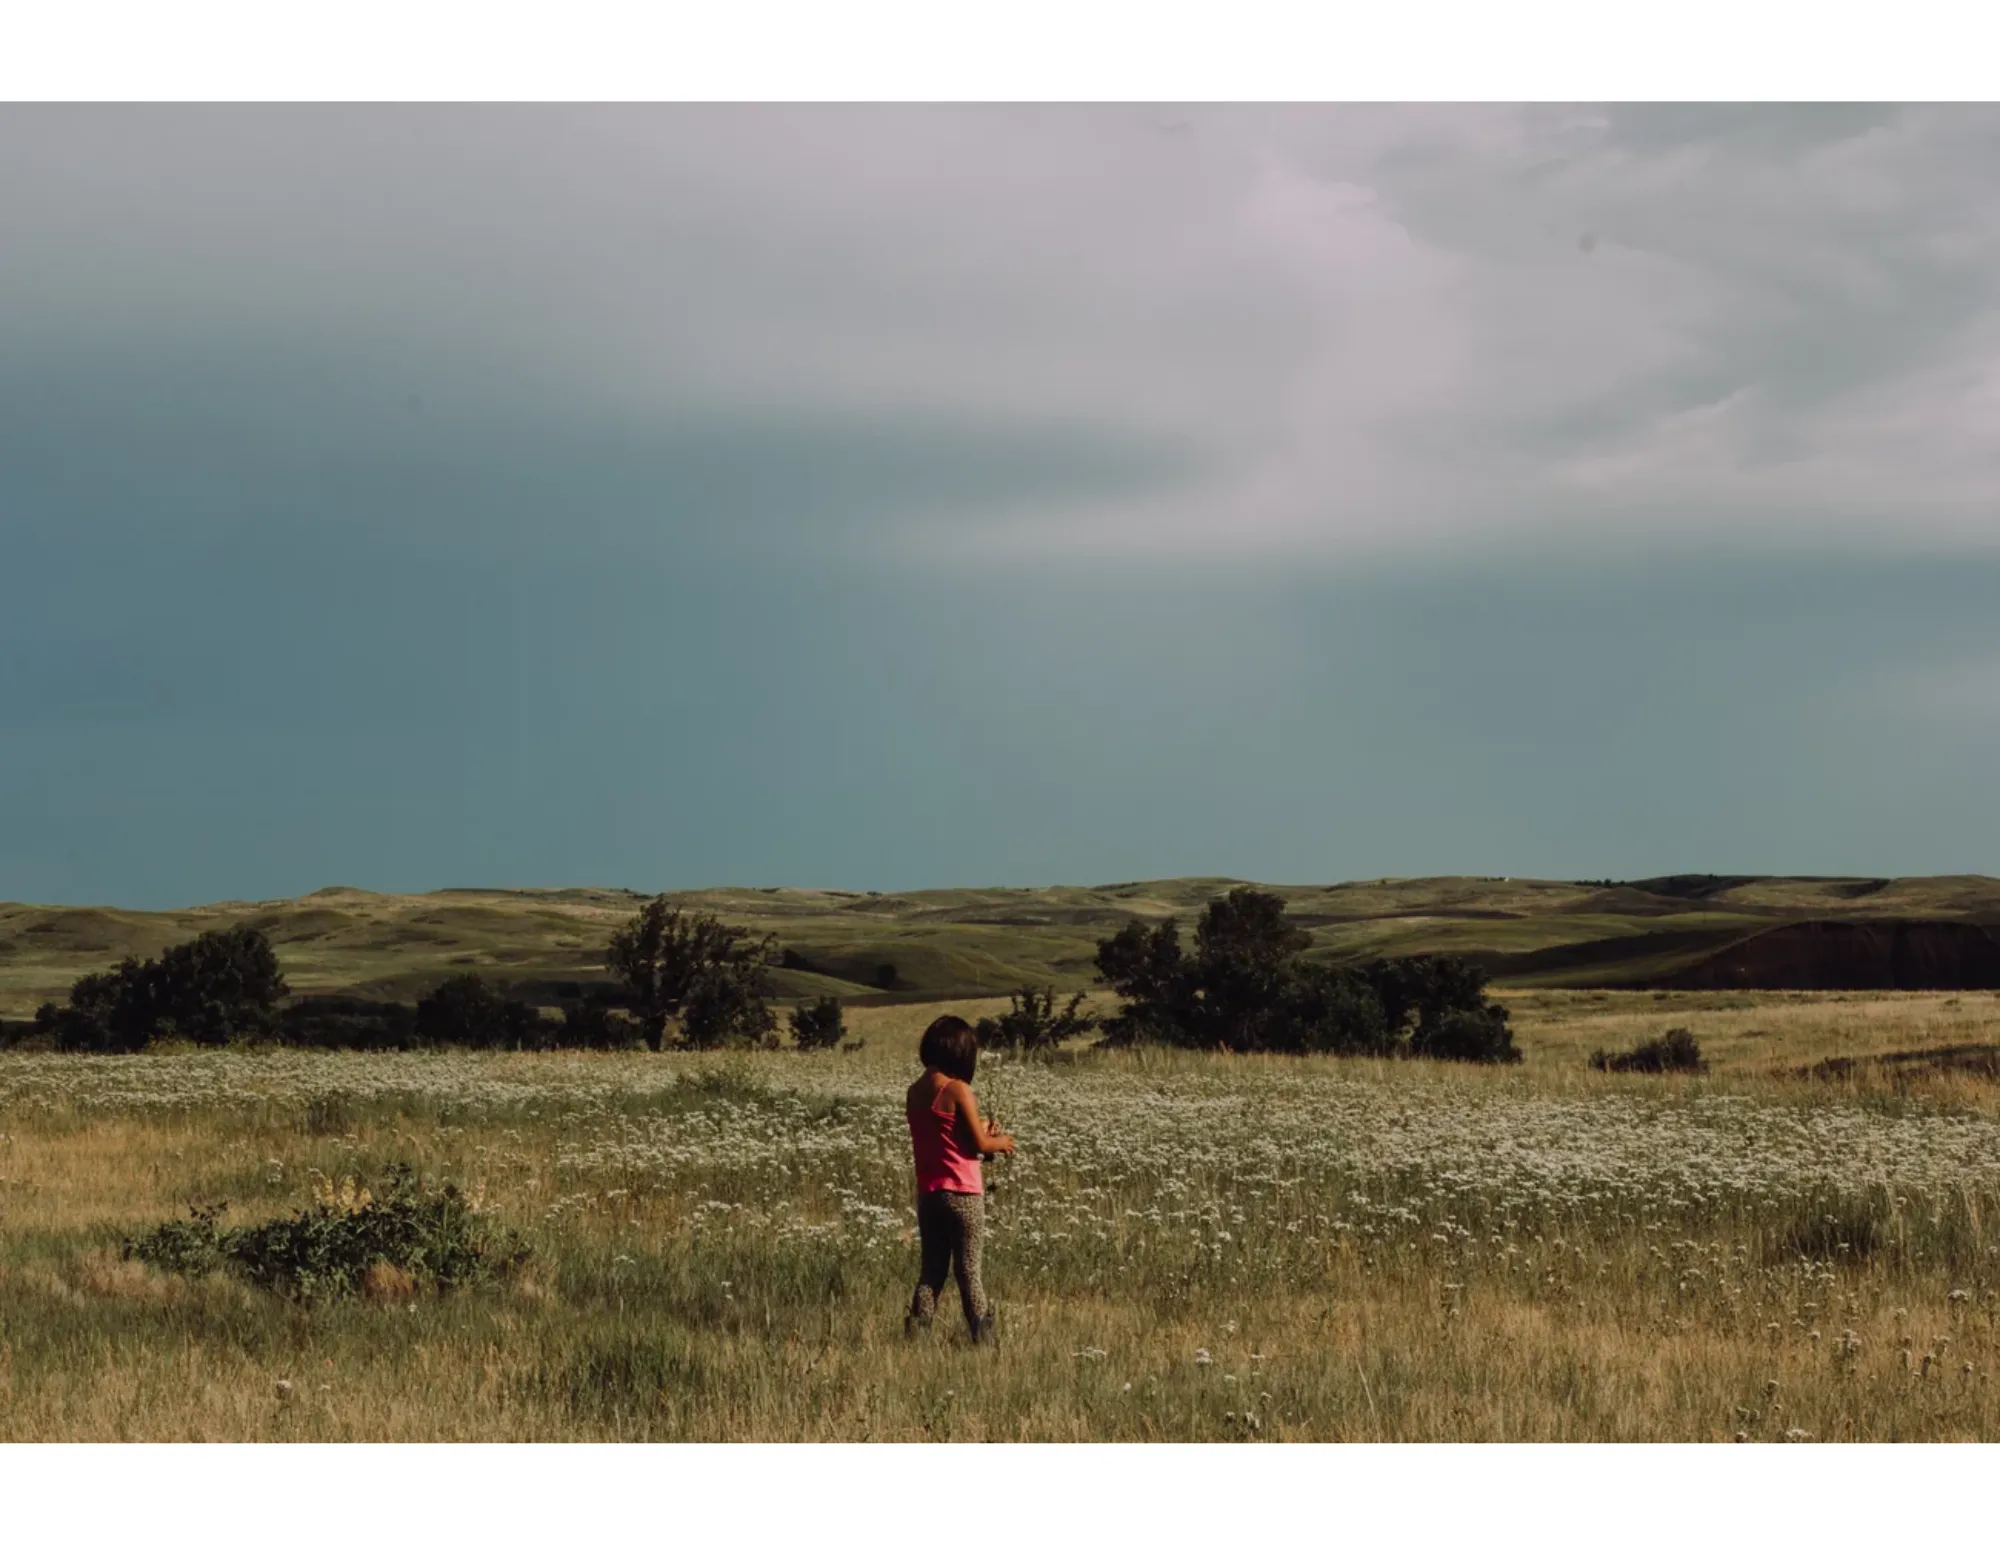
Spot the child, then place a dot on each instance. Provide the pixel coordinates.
(949, 1140)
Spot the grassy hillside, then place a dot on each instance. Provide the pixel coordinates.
(974, 943)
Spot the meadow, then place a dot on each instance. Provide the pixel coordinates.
(1187, 1247)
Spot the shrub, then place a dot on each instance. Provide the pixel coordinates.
(18, 1032)
(818, 1025)
(329, 1248)
(1467, 1035)
(337, 1021)
(1675, 1052)
(467, 1011)
(193, 1246)
(1032, 1022)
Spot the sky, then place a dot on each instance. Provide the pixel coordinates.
(898, 497)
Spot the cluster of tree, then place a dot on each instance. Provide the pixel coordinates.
(692, 971)
(223, 986)
(1245, 987)
(466, 1010)
(690, 980)
(682, 979)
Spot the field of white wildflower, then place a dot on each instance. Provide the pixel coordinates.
(1185, 1248)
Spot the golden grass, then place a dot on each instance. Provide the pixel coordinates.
(711, 1263)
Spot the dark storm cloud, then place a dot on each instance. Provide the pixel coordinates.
(887, 496)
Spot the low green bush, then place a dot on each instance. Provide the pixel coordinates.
(1033, 1023)
(435, 1237)
(818, 1025)
(1675, 1052)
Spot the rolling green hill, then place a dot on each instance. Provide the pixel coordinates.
(961, 943)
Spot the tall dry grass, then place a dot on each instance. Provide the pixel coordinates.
(1190, 1248)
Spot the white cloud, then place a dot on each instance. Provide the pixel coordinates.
(1367, 328)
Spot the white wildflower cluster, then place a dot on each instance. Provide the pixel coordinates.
(1208, 1164)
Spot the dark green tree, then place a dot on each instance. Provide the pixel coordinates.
(1446, 996)
(589, 1023)
(1147, 969)
(1331, 1009)
(818, 1025)
(107, 1011)
(222, 986)
(729, 1001)
(694, 967)
(1245, 959)
(218, 987)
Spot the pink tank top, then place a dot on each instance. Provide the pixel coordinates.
(944, 1161)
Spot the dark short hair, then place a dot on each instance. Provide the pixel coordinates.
(951, 1046)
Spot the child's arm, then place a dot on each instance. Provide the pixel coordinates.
(986, 1135)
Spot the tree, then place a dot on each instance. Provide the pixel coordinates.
(1245, 987)
(661, 954)
(108, 1011)
(818, 1026)
(1447, 994)
(1032, 1023)
(1146, 968)
(729, 1003)
(696, 968)
(218, 987)
(1331, 1009)
(1245, 955)
(589, 1022)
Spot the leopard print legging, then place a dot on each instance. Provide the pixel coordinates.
(951, 1226)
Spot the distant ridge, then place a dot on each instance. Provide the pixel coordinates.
(1839, 956)
(1695, 931)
